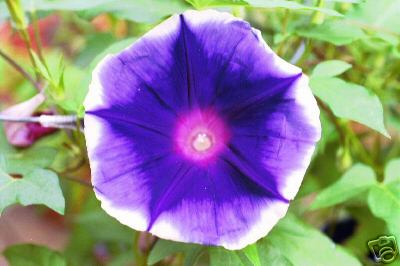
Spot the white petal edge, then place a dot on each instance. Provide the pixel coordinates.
(131, 218)
(270, 216)
(95, 98)
(134, 219)
(197, 18)
(93, 133)
(165, 227)
(304, 98)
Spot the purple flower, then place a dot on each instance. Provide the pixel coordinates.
(198, 132)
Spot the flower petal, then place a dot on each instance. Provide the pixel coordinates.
(204, 74)
(24, 134)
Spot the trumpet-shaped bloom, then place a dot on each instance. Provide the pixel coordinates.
(23, 135)
(198, 132)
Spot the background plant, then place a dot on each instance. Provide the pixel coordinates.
(351, 194)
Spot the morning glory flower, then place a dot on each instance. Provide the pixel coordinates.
(199, 132)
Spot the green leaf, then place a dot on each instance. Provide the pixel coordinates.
(5, 146)
(355, 181)
(165, 248)
(3, 162)
(347, 1)
(192, 256)
(350, 101)
(199, 4)
(249, 256)
(73, 94)
(114, 48)
(70, 5)
(273, 255)
(111, 229)
(221, 256)
(96, 43)
(333, 31)
(298, 244)
(392, 171)
(36, 187)
(384, 202)
(251, 251)
(368, 227)
(330, 68)
(24, 161)
(32, 255)
(41, 67)
(382, 15)
(291, 5)
(148, 11)
(384, 199)
(64, 78)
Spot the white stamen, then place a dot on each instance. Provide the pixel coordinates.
(202, 142)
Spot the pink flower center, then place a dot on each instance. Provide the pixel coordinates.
(200, 135)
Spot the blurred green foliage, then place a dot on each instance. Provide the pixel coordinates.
(349, 48)
(31, 255)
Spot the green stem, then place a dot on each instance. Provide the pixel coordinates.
(17, 67)
(237, 11)
(38, 40)
(77, 180)
(359, 148)
(335, 122)
(140, 259)
(17, 15)
(349, 139)
(285, 21)
(25, 36)
(318, 17)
